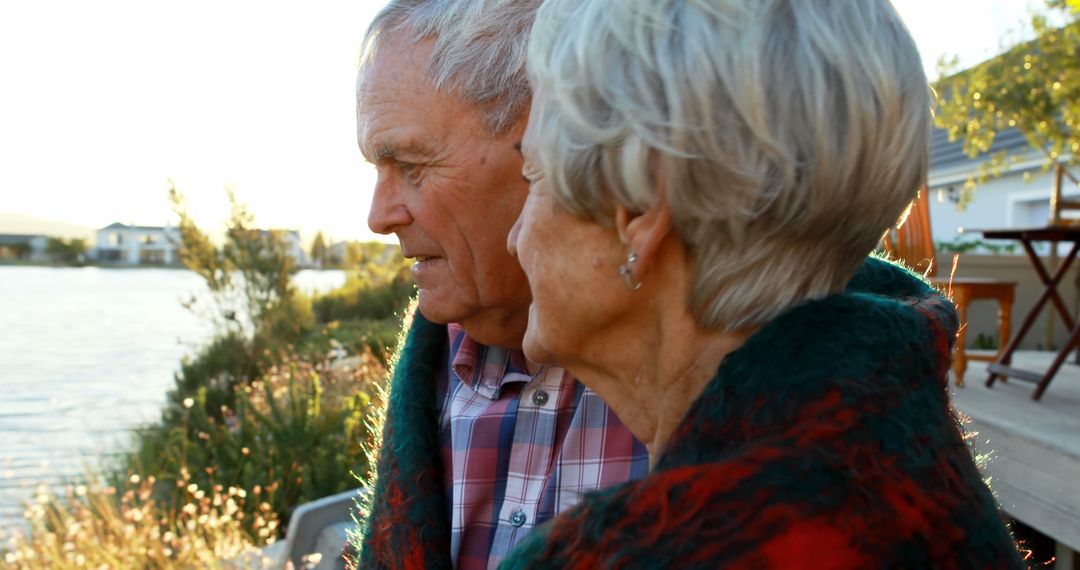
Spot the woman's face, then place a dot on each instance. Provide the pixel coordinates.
(572, 265)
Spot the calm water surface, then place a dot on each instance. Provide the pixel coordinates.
(86, 354)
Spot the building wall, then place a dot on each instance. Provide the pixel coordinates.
(129, 245)
(1004, 202)
(35, 245)
(38, 246)
(136, 246)
(982, 314)
(1019, 198)
(295, 249)
(1008, 201)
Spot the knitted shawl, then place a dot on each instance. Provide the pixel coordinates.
(408, 525)
(825, 441)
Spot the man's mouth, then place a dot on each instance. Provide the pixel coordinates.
(417, 257)
(422, 268)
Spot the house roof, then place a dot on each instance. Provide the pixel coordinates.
(947, 154)
(13, 239)
(119, 226)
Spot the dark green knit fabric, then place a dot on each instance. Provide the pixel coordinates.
(409, 526)
(825, 441)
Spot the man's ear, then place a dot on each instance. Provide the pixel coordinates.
(643, 233)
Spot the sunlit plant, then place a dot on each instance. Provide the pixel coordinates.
(93, 525)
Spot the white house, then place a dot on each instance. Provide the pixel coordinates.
(153, 245)
(1018, 198)
(336, 253)
(294, 248)
(137, 245)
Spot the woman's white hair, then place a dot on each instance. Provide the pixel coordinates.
(785, 135)
(479, 52)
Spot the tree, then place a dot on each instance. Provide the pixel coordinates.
(77, 249)
(376, 263)
(252, 303)
(249, 277)
(1033, 87)
(66, 251)
(318, 250)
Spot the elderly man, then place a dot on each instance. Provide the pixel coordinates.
(479, 445)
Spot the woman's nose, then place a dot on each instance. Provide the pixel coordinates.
(512, 237)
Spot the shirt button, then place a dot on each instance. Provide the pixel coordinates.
(518, 518)
(540, 397)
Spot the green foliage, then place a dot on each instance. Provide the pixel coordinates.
(366, 257)
(1033, 87)
(359, 298)
(249, 277)
(259, 407)
(226, 362)
(366, 310)
(379, 336)
(66, 251)
(253, 303)
(294, 435)
(985, 341)
(260, 411)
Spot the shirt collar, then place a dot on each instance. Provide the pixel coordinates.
(485, 369)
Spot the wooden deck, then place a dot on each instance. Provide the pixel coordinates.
(1034, 446)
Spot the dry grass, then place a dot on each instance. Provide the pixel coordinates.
(97, 526)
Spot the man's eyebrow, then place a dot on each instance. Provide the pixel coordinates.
(383, 151)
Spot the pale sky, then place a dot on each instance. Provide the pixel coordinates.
(102, 101)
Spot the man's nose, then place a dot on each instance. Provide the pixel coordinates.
(387, 212)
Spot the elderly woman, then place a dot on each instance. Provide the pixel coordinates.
(708, 178)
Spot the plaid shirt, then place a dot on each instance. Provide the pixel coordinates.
(519, 449)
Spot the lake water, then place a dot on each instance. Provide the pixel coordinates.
(86, 354)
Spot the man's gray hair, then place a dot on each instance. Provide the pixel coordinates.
(785, 135)
(479, 51)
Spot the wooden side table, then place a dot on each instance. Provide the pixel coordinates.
(963, 293)
(1000, 368)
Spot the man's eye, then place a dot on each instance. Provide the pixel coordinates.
(410, 171)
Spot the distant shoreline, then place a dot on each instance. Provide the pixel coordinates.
(49, 264)
(124, 266)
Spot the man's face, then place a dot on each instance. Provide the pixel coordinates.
(449, 190)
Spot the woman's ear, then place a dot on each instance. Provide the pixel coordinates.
(643, 233)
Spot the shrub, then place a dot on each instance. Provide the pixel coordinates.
(226, 362)
(260, 413)
(361, 299)
(379, 337)
(295, 435)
